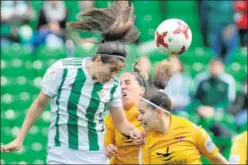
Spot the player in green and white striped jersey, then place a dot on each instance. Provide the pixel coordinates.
(81, 89)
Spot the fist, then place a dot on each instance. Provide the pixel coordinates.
(137, 136)
(15, 145)
(110, 150)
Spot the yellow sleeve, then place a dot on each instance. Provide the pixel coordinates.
(238, 153)
(109, 137)
(205, 144)
(145, 155)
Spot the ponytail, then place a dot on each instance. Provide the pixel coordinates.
(115, 23)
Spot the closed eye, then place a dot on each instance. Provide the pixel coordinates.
(113, 69)
(141, 111)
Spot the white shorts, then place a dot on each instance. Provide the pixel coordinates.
(61, 155)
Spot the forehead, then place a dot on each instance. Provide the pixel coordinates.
(117, 64)
(126, 76)
(142, 105)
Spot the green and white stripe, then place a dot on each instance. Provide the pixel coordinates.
(77, 109)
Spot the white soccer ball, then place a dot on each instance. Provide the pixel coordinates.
(173, 36)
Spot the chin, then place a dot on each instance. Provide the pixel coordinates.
(127, 105)
(102, 81)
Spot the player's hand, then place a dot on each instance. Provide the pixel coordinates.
(15, 145)
(137, 136)
(110, 150)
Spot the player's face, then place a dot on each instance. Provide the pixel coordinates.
(130, 89)
(107, 71)
(148, 116)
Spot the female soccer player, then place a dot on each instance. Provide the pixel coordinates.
(119, 147)
(80, 90)
(171, 139)
(238, 153)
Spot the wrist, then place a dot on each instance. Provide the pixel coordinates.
(20, 137)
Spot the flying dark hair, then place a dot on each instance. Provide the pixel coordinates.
(140, 79)
(155, 86)
(116, 25)
(158, 97)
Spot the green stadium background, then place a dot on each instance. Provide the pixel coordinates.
(21, 74)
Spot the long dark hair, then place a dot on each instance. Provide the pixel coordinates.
(155, 86)
(116, 25)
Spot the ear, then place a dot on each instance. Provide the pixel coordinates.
(142, 91)
(159, 112)
(98, 60)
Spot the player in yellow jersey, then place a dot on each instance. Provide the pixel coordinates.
(171, 139)
(238, 153)
(119, 147)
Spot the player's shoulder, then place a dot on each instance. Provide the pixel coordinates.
(71, 62)
(66, 62)
(182, 122)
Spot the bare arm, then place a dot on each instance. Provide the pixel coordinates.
(33, 113)
(219, 159)
(120, 121)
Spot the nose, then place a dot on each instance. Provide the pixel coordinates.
(113, 75)
(123, 86)
(139, 118)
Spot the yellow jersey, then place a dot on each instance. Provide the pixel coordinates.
(127, 152)
(182, 143)
(238, 153)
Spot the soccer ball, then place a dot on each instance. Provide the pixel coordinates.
(173, 36)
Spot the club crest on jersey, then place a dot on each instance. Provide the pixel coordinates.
(165, 156)
(101, 92)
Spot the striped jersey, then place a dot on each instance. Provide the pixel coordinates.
(77, 105)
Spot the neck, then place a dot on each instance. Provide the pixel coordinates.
(127, 107)
(164, 124)
(91, 70)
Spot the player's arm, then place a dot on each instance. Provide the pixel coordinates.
(49, 89)
(207, 147)
(123, 125)
(119, 118)
(219, 159)
(33, 113)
